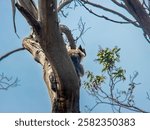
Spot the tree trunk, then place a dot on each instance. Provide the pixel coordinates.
(136, 9)
(48, 48)
(54, 48)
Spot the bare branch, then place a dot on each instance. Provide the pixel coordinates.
(93, 107)
(127, 20)
(82, 29)
(11, 52)
(14, 14)
(148, 96)
(113, 102)
(64, 29)
(119, 4)
(62, 4)
(30, 7)
(30, 18)
(6, 83)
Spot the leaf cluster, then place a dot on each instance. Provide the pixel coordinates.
(108, 58)
(110, 76)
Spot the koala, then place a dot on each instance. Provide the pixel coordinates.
(76, 56)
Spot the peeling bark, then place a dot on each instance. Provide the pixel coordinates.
(58, 102)
(48, 48)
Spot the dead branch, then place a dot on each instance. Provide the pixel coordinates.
(138, 10)
(62, 4)
(120, 4)
(127, 20)
(64, 29)
(30, 7)
(105, 98)
(82, 30)
(11, 52)
(30, 18)
(14, 14)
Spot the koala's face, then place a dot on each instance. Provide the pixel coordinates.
(82, 50)
(79, 52)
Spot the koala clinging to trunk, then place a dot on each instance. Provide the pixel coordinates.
(76, 56)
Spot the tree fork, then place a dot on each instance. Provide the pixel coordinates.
(66, 97)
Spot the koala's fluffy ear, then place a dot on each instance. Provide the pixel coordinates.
(81, 49)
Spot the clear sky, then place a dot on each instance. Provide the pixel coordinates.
(32, 95)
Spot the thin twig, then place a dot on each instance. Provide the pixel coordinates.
(81, 28)
(6, 82)
(62, 4)
(148, 96)
(64, 29)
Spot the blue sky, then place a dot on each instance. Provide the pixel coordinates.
(32, 95)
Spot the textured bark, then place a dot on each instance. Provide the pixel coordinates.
(35, 49)
(136, 9)
(48, 48)
(54, 48)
